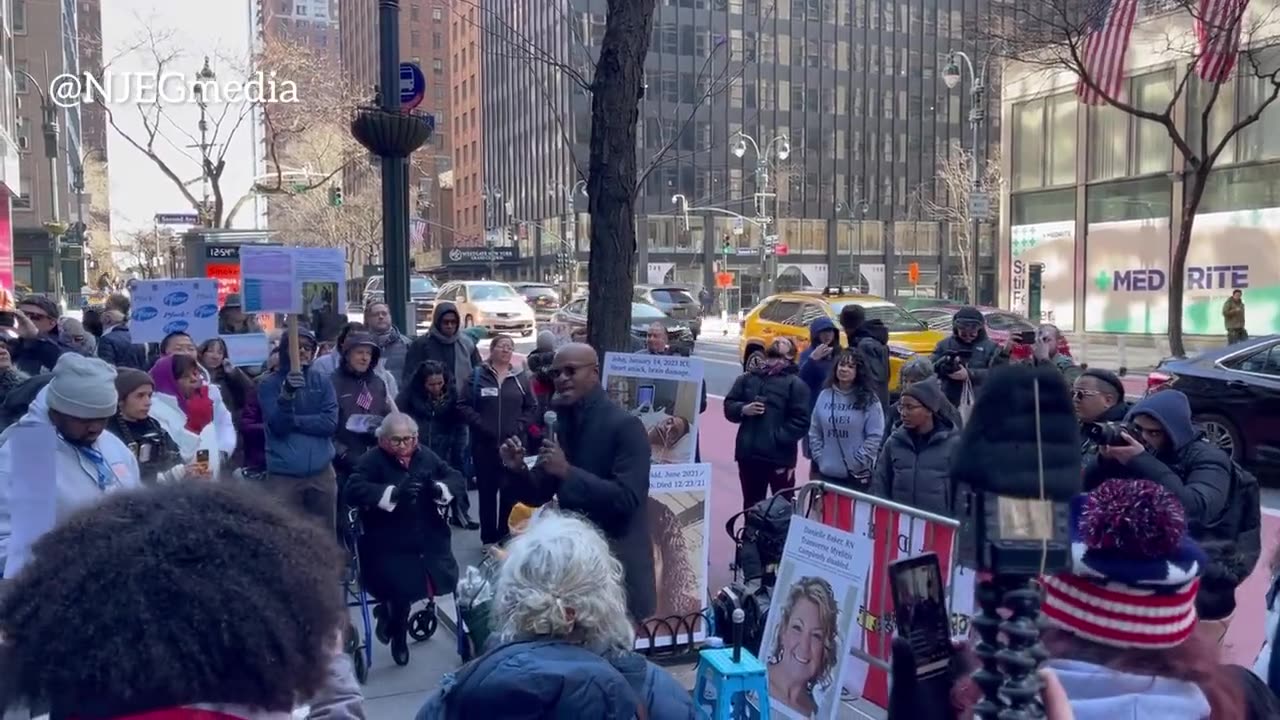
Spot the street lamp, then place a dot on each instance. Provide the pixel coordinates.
(206, 75)
(952, 74)
(570, 240)
(50, 131)
(779, 148)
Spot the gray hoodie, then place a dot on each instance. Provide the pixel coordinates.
(1099, 693)
(843, 439)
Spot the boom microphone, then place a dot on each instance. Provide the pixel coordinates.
(549, 419)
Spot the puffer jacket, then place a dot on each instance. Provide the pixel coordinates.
(494, 411)
(771, 437)
(979, 356)
(872, 340)
(916, 471)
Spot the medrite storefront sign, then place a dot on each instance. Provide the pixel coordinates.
(1053, 245)
(1127, 273)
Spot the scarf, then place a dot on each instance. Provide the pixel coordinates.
(198, 408)
(385, 338)
(461, 356)
(775, 366)
(402, 453)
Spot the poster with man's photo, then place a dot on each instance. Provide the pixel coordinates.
(679, 513)
(665, 392)
(821, 581)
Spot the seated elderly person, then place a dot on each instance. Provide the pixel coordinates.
(403, 489)
(563, 644)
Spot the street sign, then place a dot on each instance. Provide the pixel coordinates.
(413, 85)
(739, 226)
(979, 205)
(748, 251)
(177, 219)
(770, 240)
(782, 249)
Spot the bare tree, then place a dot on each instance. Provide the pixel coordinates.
(1054, 35)
(97, 215)
(143, 252)
(951, 202)
(613, 76)
(311, 219)
(299, 95)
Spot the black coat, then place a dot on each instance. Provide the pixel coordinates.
(770, 437)
(608, 483)
(32, 355)
(118, 349)
(440, 424)
(349, 385)
(401, 548)
(495, 413)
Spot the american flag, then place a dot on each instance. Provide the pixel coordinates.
(364, 400)
(1105, 48)
(417, 233)
(1218, 38)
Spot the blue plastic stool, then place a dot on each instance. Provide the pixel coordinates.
(730, 682)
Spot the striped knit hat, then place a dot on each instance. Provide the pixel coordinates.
(1135, 572)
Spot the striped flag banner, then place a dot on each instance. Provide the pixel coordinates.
(896, 536)
(1218, 38)
(364, 400)
(1105, 46)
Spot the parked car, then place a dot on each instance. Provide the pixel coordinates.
(422, 292)
(495, 305)
(675, 301)
(1235, 396)
(543, 298)
(574, 315)
(1001, 325)
(790, 314)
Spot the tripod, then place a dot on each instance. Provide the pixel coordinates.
(1010, 687)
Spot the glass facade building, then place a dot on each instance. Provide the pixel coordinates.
(855, 87)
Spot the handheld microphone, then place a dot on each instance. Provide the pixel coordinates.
(549, 419)
(739, 617)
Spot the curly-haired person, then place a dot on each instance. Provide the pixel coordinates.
(179, 601)
(806, 647)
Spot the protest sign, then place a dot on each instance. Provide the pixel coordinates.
(293, 280)
(160, 307)
(892, 535)
(821, 582)
(665, 392)
(247, 350)
(33, 496)
(679, 513)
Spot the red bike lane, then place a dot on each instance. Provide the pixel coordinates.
(716, 436)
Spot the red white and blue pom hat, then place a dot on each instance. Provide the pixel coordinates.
(1135, 572)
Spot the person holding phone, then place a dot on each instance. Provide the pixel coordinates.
(38, 347)
(770, 406)
(159, 457)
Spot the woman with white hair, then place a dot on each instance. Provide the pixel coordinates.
(562, 641)
(401, 487)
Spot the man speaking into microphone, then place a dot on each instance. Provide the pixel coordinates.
(595, 461)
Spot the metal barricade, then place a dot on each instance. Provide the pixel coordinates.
(839, 507)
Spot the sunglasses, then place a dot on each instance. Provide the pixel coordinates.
(1082, 394)
(568, 370)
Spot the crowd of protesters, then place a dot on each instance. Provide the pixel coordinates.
(400, 429)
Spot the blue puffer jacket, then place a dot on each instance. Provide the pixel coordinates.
(550, 679)
(299, 430)
(815, 372)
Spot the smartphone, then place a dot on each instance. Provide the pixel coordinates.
(1027, 337)
(920, 611)
(645, 395)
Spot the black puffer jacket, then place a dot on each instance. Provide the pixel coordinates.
(872, 340)
(979, 356)
(915, 469)
(773, 436)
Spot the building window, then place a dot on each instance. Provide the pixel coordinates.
(22, 134)
(1044, 142)
(414, 11)
(436, 41)
(415, 38)
(1153, 149)
(437, 66)
(437, 14)
(300, 10)
(20, 18)
(20, 76)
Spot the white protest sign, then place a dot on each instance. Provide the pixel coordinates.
(665, 392)
(679, 509)
(161, 307)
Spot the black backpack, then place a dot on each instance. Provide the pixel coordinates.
(760, 541)
(1245, 502)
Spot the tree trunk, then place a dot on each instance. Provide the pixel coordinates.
(611, 183)
(1193, 193)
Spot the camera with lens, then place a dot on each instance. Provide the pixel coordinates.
(1110, 433)
(950, 362)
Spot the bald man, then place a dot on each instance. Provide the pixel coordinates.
(596, 463)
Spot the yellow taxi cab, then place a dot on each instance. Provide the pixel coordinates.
(790, 314)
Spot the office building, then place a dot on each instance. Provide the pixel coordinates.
(1100, 217)
(10, 173)
(310, 22)
(91, 201)
(424, 39)
(45, 45)
(850, 92)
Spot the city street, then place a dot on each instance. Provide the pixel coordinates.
(394, 692)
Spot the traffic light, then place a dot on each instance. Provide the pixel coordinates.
(913, 273)
(727, 248)
(335, 195)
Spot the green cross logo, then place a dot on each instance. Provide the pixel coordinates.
(1103, 281)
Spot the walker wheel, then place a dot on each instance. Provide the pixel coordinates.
(359, 665)
(422, 625)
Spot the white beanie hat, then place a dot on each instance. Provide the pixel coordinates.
(83, 387)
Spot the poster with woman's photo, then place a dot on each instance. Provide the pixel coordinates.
(821, 582)
(665, 392)
(679, 515)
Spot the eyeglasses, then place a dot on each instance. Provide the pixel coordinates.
(402, 439)
(568, 370)
(1082, 394)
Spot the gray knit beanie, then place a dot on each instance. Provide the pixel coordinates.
(83, 387)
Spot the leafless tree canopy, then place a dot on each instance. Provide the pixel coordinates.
(954, 188)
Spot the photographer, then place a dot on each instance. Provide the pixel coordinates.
(1044, 351)
(1162, 445)
(1098, 397)
(966, 356)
